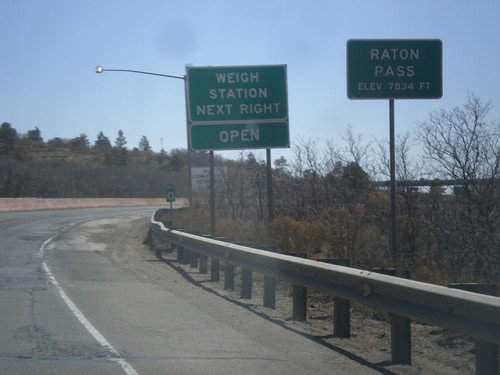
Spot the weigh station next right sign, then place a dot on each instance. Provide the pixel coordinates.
(237, 107)
(394, 69)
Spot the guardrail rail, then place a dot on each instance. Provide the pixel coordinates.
(475, 315)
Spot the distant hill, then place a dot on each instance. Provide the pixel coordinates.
(30, 167)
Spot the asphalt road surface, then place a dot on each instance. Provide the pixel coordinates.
(80, 295)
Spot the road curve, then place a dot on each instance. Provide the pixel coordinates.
(80, 294)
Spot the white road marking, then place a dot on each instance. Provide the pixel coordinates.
(129, 370)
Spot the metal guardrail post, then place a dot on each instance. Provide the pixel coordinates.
(203, 264)
(341, 306)
(245, 277)
(400, 326)
(180, 254)
(246, 284)
(186, 254)
(214, 269)
(215, 265)
(269, 297)
(204, 259)
(193, 259)
(180, 250)
(269, 288)
(228, 276)
(299, 298)
(189, 256)
(486, 353)
(158, 252)
(299, 295)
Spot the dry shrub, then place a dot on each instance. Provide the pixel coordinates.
(367, 246)
(371, 250)
(197, 220)
(283, 232)
(252, 231)
(290, 235)
(343, 227)
(312, 235)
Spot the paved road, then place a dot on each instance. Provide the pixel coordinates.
(80, 295)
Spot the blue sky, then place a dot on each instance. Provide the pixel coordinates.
(50, 49)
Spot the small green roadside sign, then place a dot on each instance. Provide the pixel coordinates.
(394, 69)
(237, 107)
(170, 192)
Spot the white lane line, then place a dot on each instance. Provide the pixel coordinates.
(129, 370)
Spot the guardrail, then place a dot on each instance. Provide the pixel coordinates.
(475, 315)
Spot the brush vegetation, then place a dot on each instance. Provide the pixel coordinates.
(328, 201)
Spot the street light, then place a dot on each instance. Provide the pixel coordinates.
(99, 69)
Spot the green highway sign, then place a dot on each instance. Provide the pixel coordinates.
(237, 107)
(243, 93)
(170, 192)
(394, 69)
(239, 136)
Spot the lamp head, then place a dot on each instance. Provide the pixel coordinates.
(99, 69)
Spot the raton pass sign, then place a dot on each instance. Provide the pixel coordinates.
(237, 107)
(394, 69)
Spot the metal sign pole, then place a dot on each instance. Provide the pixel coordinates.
(212, 194)
(270, 201)
(190, 170)
(394, 233)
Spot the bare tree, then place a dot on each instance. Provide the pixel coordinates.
(407, 169)
(462, 145)
(357, 150)
(235, 195)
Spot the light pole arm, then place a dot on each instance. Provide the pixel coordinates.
(100, 69)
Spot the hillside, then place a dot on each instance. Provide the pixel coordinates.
(71, 169)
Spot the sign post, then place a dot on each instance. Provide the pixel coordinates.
(394, 69)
